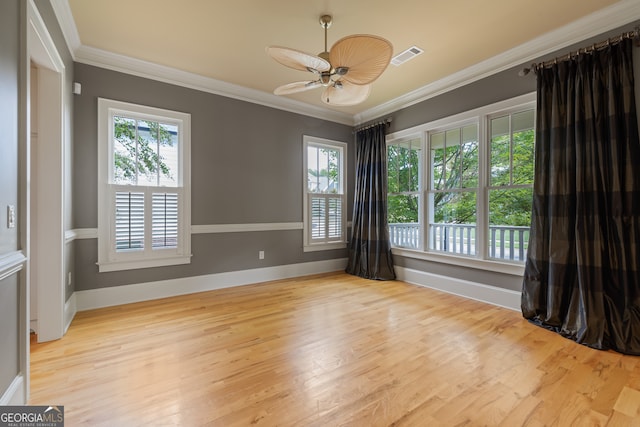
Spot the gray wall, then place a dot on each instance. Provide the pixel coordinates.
(9, 294)
(246, 167)
(501, 86)
(9, 330)
(9, 56)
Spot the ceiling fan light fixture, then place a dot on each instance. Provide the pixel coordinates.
(345, 94)
(346, 71)
(325, 78)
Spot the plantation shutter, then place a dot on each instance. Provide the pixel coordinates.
(334, 220)
(164, 233)
(317, 218)
(326, 217)
(129, 220)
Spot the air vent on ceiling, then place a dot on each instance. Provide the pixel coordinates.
(406, 55)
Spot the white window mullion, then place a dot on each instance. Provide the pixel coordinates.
(158, 150)
(428, 193)
(422, 207)
(482, 203)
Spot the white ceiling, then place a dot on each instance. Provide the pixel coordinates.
(220, 45)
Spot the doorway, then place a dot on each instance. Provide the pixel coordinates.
(45, 188)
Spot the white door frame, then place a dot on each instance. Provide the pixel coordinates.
(47, 245)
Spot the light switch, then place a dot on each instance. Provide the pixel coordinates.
(11, 216)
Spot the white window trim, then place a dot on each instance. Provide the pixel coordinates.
(107, 259)
(480, 261)
(309, 246)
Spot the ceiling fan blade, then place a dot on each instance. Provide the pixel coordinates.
(297, 59)
(348, 94)
(296, 87)
(365, 56)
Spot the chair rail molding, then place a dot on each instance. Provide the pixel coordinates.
(11, 263)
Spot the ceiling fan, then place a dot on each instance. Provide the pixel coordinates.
(346, 71)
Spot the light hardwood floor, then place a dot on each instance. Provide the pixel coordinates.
(327, 350)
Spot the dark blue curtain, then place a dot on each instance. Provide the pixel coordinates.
(369, 247)
(582, 271)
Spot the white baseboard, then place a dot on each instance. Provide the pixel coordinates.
(125, 294)
(70, 310)
(477, 291)
(15, 394)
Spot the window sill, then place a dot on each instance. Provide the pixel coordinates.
(142, 263)
(324, 246)
(515, 269)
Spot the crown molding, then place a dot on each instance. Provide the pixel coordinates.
(621, 13)
(607, 19)
(62, 10)
(116, 62)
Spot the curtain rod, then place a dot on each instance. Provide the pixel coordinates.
(386, 121)
(635, 34)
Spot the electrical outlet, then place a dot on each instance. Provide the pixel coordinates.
(11, 216)
(261, 255)
(69, 279)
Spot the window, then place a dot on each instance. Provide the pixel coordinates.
(324, 196)
(453, 189)
(404, 199)
(144, 192)
(511, 184)
(475, 171)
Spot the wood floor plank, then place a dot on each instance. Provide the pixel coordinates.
(327, 350)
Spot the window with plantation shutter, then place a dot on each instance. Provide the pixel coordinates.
(324, 195)
(144, 192)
